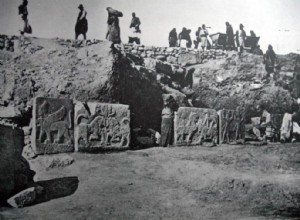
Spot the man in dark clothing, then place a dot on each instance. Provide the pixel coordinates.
(269, 59)
(25, 27)
(229, 36)
(185, 35)
(113, 29)
(81, 26)
(173, 38)
(135, 29)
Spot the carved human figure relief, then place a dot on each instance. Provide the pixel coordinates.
(231, 126)
(101, 126)
(193, 126)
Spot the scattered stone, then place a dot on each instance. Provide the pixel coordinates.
(23, 198)
(58, 161)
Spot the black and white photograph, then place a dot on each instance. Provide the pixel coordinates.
(149, 109)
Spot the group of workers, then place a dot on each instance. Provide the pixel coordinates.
(81, 26)
(233, 41)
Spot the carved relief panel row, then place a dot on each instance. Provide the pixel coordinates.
(194, 126)
(92, 127)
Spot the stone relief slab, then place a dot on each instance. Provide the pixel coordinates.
(53, 130)
(101, 126)
(193, 126)
(231, 126)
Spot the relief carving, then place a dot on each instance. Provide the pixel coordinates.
(193, 126)
(53, 127)
(101, 126)
(232, 126)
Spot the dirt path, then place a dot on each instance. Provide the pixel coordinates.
(228, 182)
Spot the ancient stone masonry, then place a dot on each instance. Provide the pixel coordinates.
(52, 126)
(193, 126)
(175, 55)
(231, 126)
(101, 126)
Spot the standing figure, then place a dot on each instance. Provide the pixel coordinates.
(204, 35)
(185, 35)
(167, 123)
(242, 38)
(198, 38)
(269, 59)
(113, 30)
(229, 36)
(135, 30)
(25, 27)
(173, 38)
(81, 26)
(239, 120)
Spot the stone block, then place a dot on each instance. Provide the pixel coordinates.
(101, 126)
(53, 130)
(186, 59)
(231, 126)
(194, 126)
(23, 198)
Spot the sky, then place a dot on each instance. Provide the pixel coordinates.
(275, 21)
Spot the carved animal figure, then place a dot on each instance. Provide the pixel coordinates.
(54, 122)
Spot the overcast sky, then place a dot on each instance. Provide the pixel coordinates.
(277, 22)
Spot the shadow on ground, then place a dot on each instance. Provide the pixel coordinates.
(57, 188)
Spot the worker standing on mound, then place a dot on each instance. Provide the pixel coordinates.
(135, 30)
(113, 33)
(81, 26)
(25, 27)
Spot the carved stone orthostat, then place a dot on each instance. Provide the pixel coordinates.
(52, 126)
(231, 126)
(193, 126)
(101, 126)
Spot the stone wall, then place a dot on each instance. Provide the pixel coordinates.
(175, 55)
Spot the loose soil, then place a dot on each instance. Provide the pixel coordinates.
(223, 182)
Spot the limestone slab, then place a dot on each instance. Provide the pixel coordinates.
(101, 126)
(231, 126)
(193, 126)
(53, 129)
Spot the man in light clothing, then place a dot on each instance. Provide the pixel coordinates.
(204, 35)
(135, 35)
(242, 38)
(290, 128)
